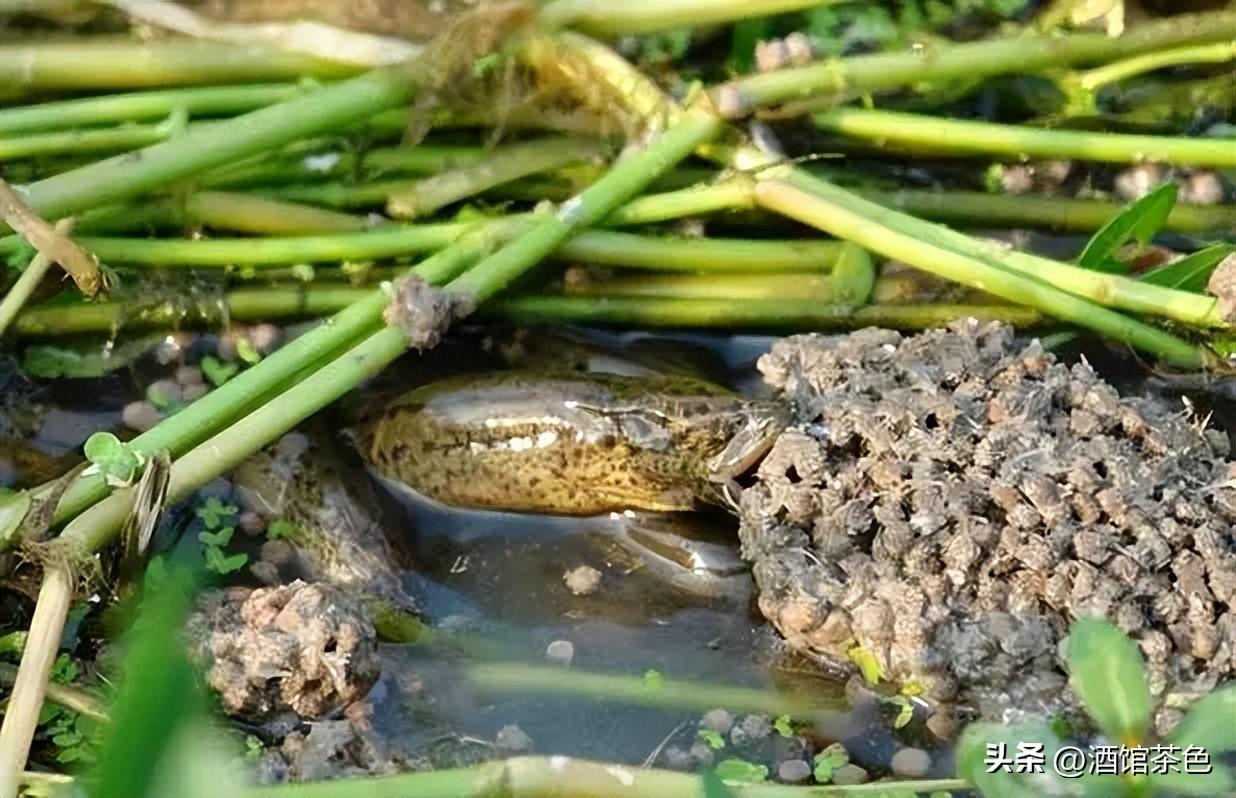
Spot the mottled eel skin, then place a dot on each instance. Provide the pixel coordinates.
(568, 445)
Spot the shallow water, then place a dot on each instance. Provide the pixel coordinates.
(499, 577)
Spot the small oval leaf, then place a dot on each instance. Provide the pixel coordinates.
(1107, 672)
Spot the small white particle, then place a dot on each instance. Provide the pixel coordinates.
(321, 164)
(546, 439)
(571, 210)
(558, 763)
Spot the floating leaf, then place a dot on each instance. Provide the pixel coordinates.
(711, 738)
(214, 513)
(221, 564)
(905, 711)
(1190, 273)
(1209, 725)
(13, 642)
(827, 761)
(735, 769)
(784, 726)
(654, 680)
(52, 362)
(1107, 672)
(1139, 222)
(220, 538)
(217, 371)
(115, 459)
(282, 529)
(247, 352)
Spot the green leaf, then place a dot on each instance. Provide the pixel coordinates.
(64, 669)
(20, 258)
(986, 746)
(747, 34)
(654, 680)
(220, 538)
(867, 664)
(247, 352)
(217, 371)
(1139, 222)
(1190, 273)
(735, 769)
(784, 726)
(905, 710)
(14, 642)
(714, 787)
(215, 513)
(710, 737)
(115, 459)
(1209, 725)
(485, 64)
(53, 362)
(1107, 672)
(156, 698)
(282, 529)
(827, 761)
(223, 565)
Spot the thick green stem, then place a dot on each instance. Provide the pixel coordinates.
(117, 64)
(246, 213)
(627, 178)
(1023, 54)
(560, 776)
(502, 165)
(1106, 289)
(901, 288)
(960, 137)
(980, 209)
(515, 677)
(126, 137)
(224, 142)
(13, 301)
(609, 18)
(144, 105)
(740, 256)
(813, 209)
(1097, 78)
(766, 314)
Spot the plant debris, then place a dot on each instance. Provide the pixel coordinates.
(949, 502)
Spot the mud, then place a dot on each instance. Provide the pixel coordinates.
(949, 502)
(305, 648)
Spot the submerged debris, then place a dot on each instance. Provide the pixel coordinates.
(300, 647)
(424, 312)
(948, 503)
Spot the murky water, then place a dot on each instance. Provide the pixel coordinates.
(499, 578)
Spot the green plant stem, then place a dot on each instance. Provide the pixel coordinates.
(769, 314)
(501, 165)
(120, 63)
(21, 291)
(1022, 54)
(607, 18)
(516, 677)
(247, 213)
(423, 159)
(125, 137)
(223, 142)
(791, 287)
(221, 406)
(623, 182)
(980, 209)
(65, 695)
(557, 777)
(661, 253)
(961, 137)
(144, 105)
(1217, 53)
(813, 209)
(1106, 289)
